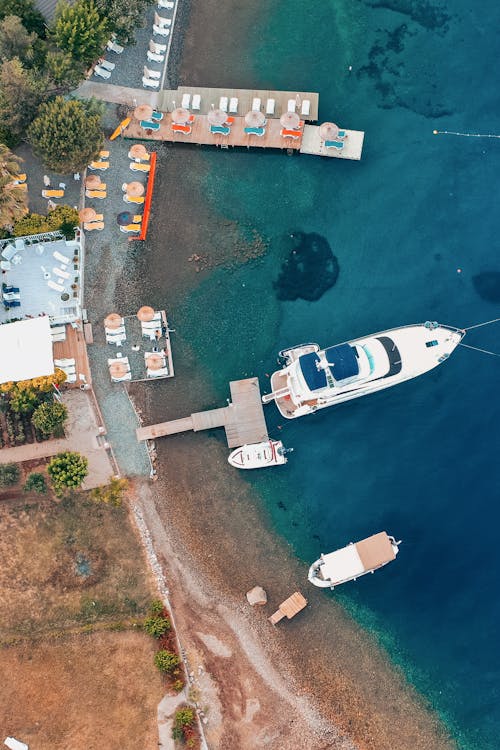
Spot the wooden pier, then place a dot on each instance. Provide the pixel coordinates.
(243, 419)
(289, 608)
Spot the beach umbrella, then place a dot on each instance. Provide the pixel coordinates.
(119, 130)
(255, 118)
(135, 189)
(117, 369)
(145, 314)
(328, 131)
(216, 117)
(154, 362)
(92, 181)
(143, 112)
(113, 320)
(124, 218)
(87, 214)
(290, 120)
(137, 151)
(180, 116)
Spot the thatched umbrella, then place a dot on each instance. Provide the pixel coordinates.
(143, 112)
(138, 151)
(117, 369)
(154, 362)
(328, 131)
(216, 117)
(145, 314)
(255, 118)
(290, 120)
(113, 320)
(92, 181)
(180, 116)
(135, 189)
(87, 214)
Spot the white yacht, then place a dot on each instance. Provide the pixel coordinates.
(259, 455)
(314, 378)
(355, 560)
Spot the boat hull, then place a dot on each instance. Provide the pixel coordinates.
(421, 348)
(258, 455)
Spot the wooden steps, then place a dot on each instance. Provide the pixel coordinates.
(289, 608)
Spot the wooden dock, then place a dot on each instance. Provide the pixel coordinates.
(289, 608)
(210, 99)
(243, 419)
(74, 347)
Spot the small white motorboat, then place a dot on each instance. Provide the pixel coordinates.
(259, 455)
(355, 560)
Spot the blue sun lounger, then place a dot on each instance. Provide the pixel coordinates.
(339, 145)
(157, 116)
(222, 129)
(148, 125)
(255, 131)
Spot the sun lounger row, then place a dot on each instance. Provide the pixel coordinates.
(123, 372)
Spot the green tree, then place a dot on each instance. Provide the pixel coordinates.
(124, 16)
(156, 625)
(12, 199)
(21, 93)
(67, 470)
(80, 30)
(166, 661)
(64, 218)
(63, 71)
(156, 607)
(30, 224)
(24, 400)
(66, 135)
(112, 493)
(15, 41)
(32, 19)
(36, 483)
(9, 474)
(50, 418)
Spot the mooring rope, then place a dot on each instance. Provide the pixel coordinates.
(465, 135)
(477, 349)
(488, 322)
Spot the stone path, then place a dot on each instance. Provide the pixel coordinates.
(109, 92)
(82, 436)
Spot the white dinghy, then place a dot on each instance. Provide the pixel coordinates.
(259, 455)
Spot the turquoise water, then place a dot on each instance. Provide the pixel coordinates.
(419, 460)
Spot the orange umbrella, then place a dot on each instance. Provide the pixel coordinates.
(113, 320)
(143, 112)
(255, 118)
(328, 131)
(117, 369)
(92, 181)
(289, 120)
(87, 214)
(154, 362)
(138, 150)
(135, 189)
(180, 116)
(119, 130)
(145, 314)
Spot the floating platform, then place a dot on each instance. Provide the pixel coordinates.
(243, 419)
(289, 608)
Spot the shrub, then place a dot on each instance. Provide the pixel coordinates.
(36, 483)
(178, 685)
(184, 719)
(156, 625)
(24, 401)
(50, 417)
(67, 470)
(156, 607)
(166, 661)
(9, 474)
(112, 493)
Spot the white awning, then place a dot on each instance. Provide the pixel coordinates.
(25, 349)
(342, 565)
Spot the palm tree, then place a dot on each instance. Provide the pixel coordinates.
(12, 197)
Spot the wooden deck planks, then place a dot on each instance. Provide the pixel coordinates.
(289, 608)
(74, 347)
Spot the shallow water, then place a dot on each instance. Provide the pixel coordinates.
(418, 460)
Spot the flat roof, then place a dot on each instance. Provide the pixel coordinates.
(26, 347)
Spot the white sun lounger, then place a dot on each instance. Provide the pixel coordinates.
(65, 362)
(113, 46)
(160, 21)
(223, 102)
(160, 30)
(157, 373)
(153, 57)
(256, 104)
(151, 83)
(155, 74)
(186, 101)
(107, 65)
(291, 105)
(61, 258)
(233, 105)
(156, 47)
(57, 287)
(306, 108)
(166, 4)
(270, 106)
(8, 252)
(101, 72)
(60, 272)
(196, 102)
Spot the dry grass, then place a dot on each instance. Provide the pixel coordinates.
(81, 692)
(66, 565)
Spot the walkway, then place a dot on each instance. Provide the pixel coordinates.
(83, 435)
(109, 92)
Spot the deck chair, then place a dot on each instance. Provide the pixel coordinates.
(153, 57)
(107, 65)
(256, 102)
(233, 105)
(166, 4)
(133, 198)
(157, 116)
(100, 194)
(160, 30)
(223, 103)
(56, 287)
(60, 272)
(131, 228)
(150, 83)
(60, 257)
(52, 193)
(139, 167)
(102, 72)
(99, 166)
(19, 179)
(156, 47)
(196, 102)
(113, 46)
(160, 21)
(91, 225)
(145, 157)
(151, 73)
(339, 145)
(270, 106)
(186, 101)
(104, 154)
(149, 124)
(306, 108)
